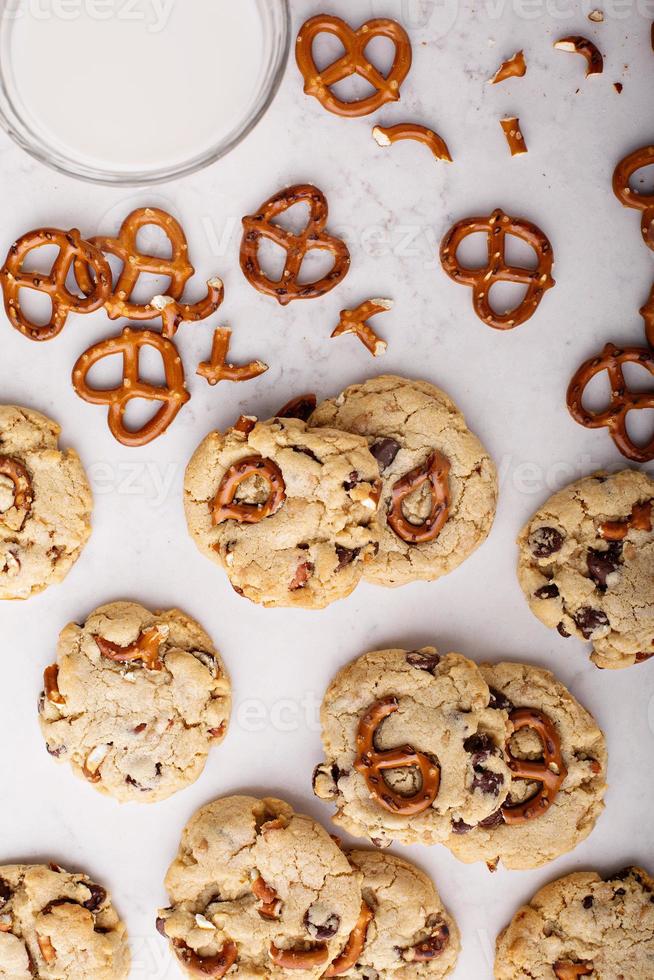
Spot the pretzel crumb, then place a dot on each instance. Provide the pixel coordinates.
(514, 67)
(584, 47)
(387, 135)
(514, 137)
(597, 16)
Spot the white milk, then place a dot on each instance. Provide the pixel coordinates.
(136, 83)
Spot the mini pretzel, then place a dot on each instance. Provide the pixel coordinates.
(514, 137)
(214, 967)
(173, 394)
(581, 45)
(623, 401)
(313, 236)
(72, 248)
(223, 506)
(498, 226)
(301, 408)
(299, 959)
(371, 764)
(353, 62)
(634, 199)
(550, 773)
(639, 520)
(51, 685)
(355, 321)
(515, 67)
(173, 313)
(565, 970)
(354, 946)
(15, 516)
(387, 135)
(177, 269)
(436, 470)
(145, 649)
(216, 369)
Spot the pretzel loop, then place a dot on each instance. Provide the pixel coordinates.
(550, 772)
(72, 249)
(214, 967)
(372, 763)
(313, 236)
(623, 401)
(353, 62)
(435, 471)
(15, 516)
(173, 394)
(223, 506)
(354, 945)
(630, 198)
(497, 226)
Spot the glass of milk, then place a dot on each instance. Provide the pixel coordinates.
(137, 91)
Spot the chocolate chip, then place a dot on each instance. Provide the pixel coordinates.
(56, 750)
(601, 564)
(423, 661)
(345, 556)
(5, 892)
(318, 927)
(545, 541)
(588, 902)
(460, 827)
(619, 892)
(480, 746)
(563, 631)
(499, 701)
(352, 481)
(487, 781)
(642, 657)
(385, 451)
(495, 820)
(98, 897)
(161, 926)
(589, 620)
(547, 592)
(307, 452)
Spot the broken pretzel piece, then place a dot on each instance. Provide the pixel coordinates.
(387, 135)
(173, 313)
(581, 45)
(514, 67)
(514, 137)
(217, 369)
(145, 649)
(355, 321)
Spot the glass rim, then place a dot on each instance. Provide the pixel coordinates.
(13, 124)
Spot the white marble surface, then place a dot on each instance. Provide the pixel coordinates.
(394, 206)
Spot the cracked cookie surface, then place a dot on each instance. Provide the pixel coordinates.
(602, 927)
(261, 888)
(442, 714)
(587, 565)
(405, 422)
(58, 926)
(45, 504)
(136, 701)
(577, 802)
(312, 548)
(410, 934)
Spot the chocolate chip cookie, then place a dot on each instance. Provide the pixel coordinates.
(587, 565)
(55, 925)
(411, 745)
(258, 890)
(557, 758)
(45, 504)
(439, 491)
(290, 512)
(135, 701)
(583, 926)
(405, 930)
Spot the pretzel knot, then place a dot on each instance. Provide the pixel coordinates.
(207, 966)
(313, 236)
(565, 970)
(145, 649)
(224, 508)
(354, 946)
(622, 189)
(436, 472)
(623, 401)
(72, 248)
(14, 517)
(497, 227)
(372, 763)
(353, 62)
(550, 773)
(173, 394)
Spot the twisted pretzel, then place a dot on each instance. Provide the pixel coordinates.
(353, 62)
(354, 946)
(173, 394)
(550, 773)
(371, 764)
(564, 970)
(207, 966)
(436, 470)
(497, 227)
(223, 507)
(72, 249)
(623, 401)
(313, 236)
(299, 959)
(634, 199)
(15, 516)
(177, 268)
(146, 649)
(216, 369)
